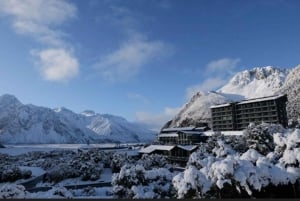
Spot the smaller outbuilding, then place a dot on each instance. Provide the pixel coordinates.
(182, 136)
(174, 153)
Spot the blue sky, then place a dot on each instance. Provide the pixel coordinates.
(140, 59)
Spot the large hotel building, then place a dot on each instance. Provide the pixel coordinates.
(238, 115)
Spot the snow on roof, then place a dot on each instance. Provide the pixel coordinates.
(222, 105)
(201, 128)
(152, 148)
(178, 129)
(250, 101)
(261, 99)
(193, 132)
(168, 135)
(187, 147)
(232, 132)
(227, 133)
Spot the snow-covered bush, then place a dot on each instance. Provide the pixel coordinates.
(259, 171)
(118, 160)
(87, 164)
(60, 192)
(91, 171)
(11, 173)
(191, 183)
(260, 137)
(60, 172)
(153, 161)
(5, 159)
(215, 147)
(14, 191)
(288, 148)
(134, 181)
(88, 191)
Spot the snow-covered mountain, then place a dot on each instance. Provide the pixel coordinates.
(254, 83)
(21, 124)
(291, 87)
(258, 82)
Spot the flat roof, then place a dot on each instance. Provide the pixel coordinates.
(227, 133)
(188, 147)
(152, 148)
(178, 129)
(221, 105)
(260, 99)
(168, 135)
(250, 101)
(193, 132)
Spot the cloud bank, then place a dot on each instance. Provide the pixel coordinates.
(156, 121)
(126, 61)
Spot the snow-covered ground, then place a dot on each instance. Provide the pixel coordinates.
(261, 163)
(55, 155)
(25, 148)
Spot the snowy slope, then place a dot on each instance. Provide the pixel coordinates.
(197, 110)
(21, 123)
(254, 83)
(258, 82)
(291, 87)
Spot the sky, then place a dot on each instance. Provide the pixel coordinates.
(140, 59)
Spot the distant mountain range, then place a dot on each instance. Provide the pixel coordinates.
(27, 124)
(254, 83)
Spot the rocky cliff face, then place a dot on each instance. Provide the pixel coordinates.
(257, 82)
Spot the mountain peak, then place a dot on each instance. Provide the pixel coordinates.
(256, 82)
(62, 109)
(8, 99)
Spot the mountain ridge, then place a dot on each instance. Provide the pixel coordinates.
(30, 124)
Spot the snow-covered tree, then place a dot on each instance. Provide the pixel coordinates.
(134, 181)
(260, 137)
(262, 170)
(11, 173)
(15, 191)
(153, 161)
(118, 160)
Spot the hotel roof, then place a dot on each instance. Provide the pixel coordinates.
(251, 100)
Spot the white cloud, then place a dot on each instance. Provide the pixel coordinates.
(217, 73)
(156, 121)
(36, 17)
(126, 61)
(222, 65)
(206, 85)
(57, 64)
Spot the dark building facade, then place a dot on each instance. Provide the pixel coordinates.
(182, 136)
(238, 115)
(175, 153)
